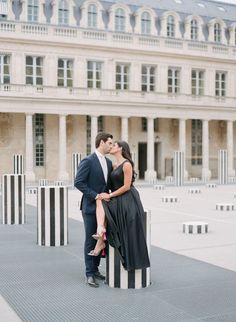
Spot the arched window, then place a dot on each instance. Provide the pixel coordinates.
(33, 10)
(92, 16)
(63, 13)
(145, 23)
(217, 32)
(170, 26)
(119, 20)
(194, 29)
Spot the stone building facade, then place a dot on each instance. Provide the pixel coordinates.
(161, 76)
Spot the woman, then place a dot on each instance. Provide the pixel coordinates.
(123, 212)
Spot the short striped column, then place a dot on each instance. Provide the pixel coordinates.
(223, 166)
(178, 168)
(195, 227)
(52, 216)
(170, 199)
(59, 183)
(225, 206)
(117, 276)
(18, 165)
(43, 182)
(194, 180)
(76, 158)
(194, 190)
(232, 179)
(158, 187)
(32, 191)
(211, 185)
(13, 199)
(169, 179)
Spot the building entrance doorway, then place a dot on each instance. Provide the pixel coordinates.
(142, 159)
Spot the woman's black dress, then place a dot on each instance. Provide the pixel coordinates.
(125, 230)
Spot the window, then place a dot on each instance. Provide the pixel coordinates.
(145, 23)
(3, 9)
(194, 30)
(173, 80)
(94, 74)
(148, 78)
(144, 124)
(64, 72)
(88, 132)
(33, 10)
(100, 124)
(122, 76)
(170, 26)
(120, 20)
(217, 32)
(39, 140)
(197, 82)
(34, 70)
(196, 142)
(220, 86)
(63, 13)
(92, 16)
(4, 69)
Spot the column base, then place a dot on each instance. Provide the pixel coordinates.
(231, 173)
(150, 174)
(206, 174)
(63, 176)
(29, 176)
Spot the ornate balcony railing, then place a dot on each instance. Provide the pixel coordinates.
(100, 95)
(75, 35)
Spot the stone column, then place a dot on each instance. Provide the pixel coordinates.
(29, 148)
(150, 173)
(94, 131)
(62, 173)
(124, 129)
(206, 173)
(182, 143)
(230, 149)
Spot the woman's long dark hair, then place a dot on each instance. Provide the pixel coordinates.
(127, 155)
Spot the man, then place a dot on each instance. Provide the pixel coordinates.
(92, 179)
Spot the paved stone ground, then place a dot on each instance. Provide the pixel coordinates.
(47, 284)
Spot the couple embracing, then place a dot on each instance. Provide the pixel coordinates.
(111, 208)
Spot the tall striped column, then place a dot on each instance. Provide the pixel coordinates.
(76, 158)
(52, 216)
(117, 276)
(223, 166)
(13, 199)
(18, 160)
(179, 168)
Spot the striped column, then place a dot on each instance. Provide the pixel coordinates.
(76, 158)
(52, 216)
(18, 160)
(43, 182)
(117, 276)
(13, 199)
(59, 183)
(223, 166)
(179, 168)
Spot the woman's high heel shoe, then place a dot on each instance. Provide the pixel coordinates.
(101, 230)
(98, 251)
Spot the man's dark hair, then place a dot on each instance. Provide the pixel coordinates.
(102, 136)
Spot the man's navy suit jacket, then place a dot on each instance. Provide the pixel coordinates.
(90, 181)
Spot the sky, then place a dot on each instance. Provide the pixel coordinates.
(228, 1)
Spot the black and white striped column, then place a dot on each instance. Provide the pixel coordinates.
(43, 182)
(117, 276)
(52, 216)
(18, 160)
(13, 199)
(59, 183)
(223, 166)
(76, 158)
(178, 168)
